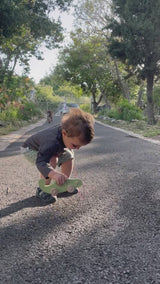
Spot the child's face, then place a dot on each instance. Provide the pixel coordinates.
(71, 142)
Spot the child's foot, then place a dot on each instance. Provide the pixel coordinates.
(45, 197)
(67, 194)
(74, 192)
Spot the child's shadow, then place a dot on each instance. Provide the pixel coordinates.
(17, 206)
(27, 203)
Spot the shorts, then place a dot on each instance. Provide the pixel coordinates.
(65, 156)
(31, 155)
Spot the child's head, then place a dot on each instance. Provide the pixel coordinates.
(78, 128)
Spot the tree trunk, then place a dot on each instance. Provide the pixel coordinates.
(103, 94)
(121, 82)
(140, 93)
(4, 69)
(93, 92)
(93, 101)
(14, 63)
(150, 106)
(100, 98)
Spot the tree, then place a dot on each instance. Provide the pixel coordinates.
(33, 13)
(25, 25)
(85, 63)
(135, 39)
(91, 18)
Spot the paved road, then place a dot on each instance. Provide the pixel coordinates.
(107, 234)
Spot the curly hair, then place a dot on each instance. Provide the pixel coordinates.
(78, 123)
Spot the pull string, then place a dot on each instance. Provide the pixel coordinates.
(82, 190)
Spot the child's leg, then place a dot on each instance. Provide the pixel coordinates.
(65, 161)
(53, 163)
(47, 197)
(66, 167)
(47, 180)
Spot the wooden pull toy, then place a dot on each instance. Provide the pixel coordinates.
(70, 185)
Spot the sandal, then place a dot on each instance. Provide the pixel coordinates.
(46, 197)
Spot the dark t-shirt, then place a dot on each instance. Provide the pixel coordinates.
(47, 143)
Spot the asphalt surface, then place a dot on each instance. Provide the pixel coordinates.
(108, 233)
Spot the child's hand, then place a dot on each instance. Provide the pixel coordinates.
(58, 177)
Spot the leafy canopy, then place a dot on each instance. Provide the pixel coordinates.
(135, 33)
(31, 13)
(24, 26)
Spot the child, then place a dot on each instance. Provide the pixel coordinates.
(54, 146)
(49, 116)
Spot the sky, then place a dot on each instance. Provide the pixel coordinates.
(40, 68)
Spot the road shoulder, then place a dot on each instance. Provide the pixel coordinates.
(155, 140)
(6, 140)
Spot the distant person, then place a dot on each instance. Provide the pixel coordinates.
(49, 116)
(54, 146)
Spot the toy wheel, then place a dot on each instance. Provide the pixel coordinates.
(70, 188)
(54, 192)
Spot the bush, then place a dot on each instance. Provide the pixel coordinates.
(27, 111)
(129, 111)
(124, 111)
(85, 107)
(22, 112)
(10, 114)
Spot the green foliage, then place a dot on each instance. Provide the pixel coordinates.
(86, 63)
(156, 98)
(16, 112)
(46, 98)
(10, 114)
(135, 40)
(27, 111)
(31, 13)
(124, 111)
(15, 90)
(25, 26)
(68, 90)
(44, 93)
(62, 88)
(135, 33)
(85, 107)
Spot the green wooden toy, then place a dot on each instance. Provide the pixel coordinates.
(70, 185)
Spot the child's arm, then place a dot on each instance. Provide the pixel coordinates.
(58, 177)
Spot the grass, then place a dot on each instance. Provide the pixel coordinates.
(139, 127)
(14, 126)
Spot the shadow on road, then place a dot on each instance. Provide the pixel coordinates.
(28, 203)
(17, 206)
(12, 150)
(14, 147)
